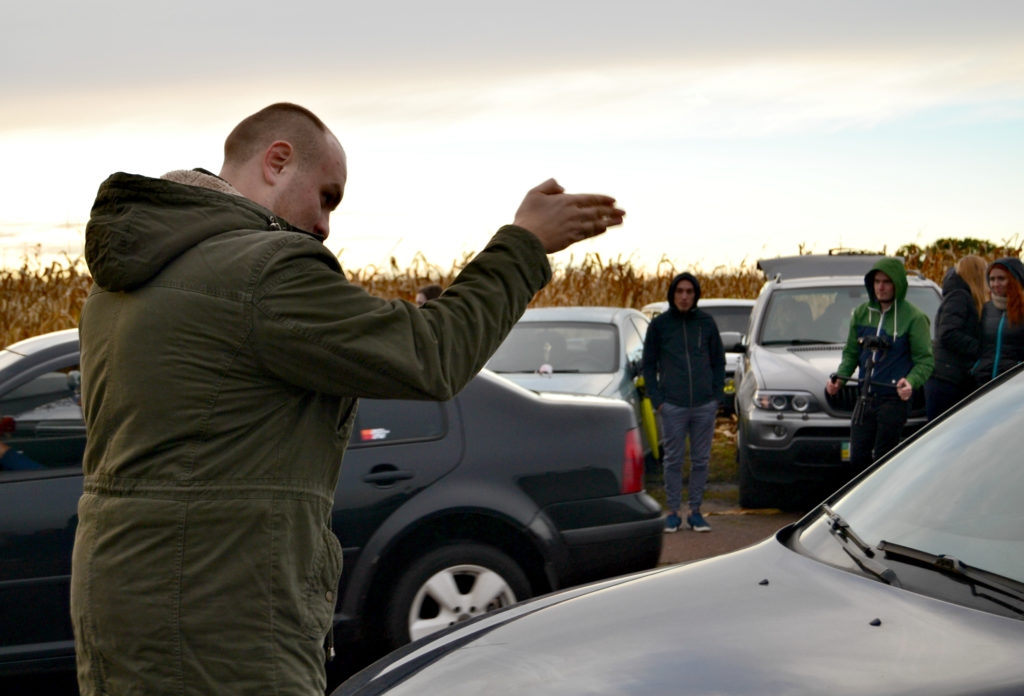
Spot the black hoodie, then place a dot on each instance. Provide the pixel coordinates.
(684, 362)
(957, 332)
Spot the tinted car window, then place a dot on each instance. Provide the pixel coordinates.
(948, 494)
(383, 422)
(822, 314)
(46, 417)
(565, 346)
(730, 318)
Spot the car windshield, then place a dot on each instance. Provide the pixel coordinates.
(584, 347)
(730, 318)
(956, 491)
(822, 314)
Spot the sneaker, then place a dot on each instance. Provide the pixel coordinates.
(672, 523)
(695, 522)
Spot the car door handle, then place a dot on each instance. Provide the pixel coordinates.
(385, 474)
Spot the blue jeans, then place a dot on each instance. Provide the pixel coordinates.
(697, 423)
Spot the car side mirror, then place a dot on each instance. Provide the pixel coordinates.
(633, 366)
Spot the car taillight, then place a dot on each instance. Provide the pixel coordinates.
(633, 463)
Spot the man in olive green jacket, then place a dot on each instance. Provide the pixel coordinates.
(223, 351)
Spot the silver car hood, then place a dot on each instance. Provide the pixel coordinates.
(764, 620)
(796, 367)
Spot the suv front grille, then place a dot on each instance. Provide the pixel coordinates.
(843, 403)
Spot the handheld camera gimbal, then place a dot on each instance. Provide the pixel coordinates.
(878, 345)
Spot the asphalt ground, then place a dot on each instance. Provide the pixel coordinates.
(732, 528)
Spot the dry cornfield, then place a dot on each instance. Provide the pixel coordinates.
(38, 298)
(35, 299)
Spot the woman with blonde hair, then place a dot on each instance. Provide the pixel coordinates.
(957, 341)
(1002, 320)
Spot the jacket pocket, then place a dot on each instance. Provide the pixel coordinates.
(322, 587)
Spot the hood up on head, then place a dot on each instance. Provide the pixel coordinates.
(1012, 264)
(672, 291)
(896, 271)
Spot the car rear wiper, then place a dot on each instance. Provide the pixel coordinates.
(979, 580)
(534, 371)
(797, 342)
(862, 553)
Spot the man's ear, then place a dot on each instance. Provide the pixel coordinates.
(276, 158)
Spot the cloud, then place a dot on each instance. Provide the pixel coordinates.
(672, 101)
(728, 101)
(64, 44)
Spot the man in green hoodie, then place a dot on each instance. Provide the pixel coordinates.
(893, 336)
(223, 351)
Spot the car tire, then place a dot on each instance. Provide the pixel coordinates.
(450, 584)
(754, 493)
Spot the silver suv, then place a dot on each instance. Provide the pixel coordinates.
(793, 443)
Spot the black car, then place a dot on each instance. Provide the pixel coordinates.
(910, 580)
(445, 510)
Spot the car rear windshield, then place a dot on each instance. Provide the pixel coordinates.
(730, 318)
(822, 315)
(564, 346)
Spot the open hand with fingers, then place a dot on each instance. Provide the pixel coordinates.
(560, 219)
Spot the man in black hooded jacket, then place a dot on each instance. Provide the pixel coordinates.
(684, 370)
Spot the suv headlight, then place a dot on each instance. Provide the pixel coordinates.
(800, 402)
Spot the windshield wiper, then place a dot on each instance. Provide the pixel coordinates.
(859, 550)
(975, 577)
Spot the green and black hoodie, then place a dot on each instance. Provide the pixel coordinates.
(905, 326)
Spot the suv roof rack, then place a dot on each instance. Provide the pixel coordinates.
(846, 251)
(811, 265)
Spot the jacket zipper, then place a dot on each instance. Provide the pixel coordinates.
(689, 367)
(330, 643)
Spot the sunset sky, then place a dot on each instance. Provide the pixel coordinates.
(728, 131)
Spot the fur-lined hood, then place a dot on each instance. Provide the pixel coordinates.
(138, 224)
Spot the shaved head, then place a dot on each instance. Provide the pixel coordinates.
(284, 158)
(283, 121)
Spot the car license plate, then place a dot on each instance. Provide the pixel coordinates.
(846, 450)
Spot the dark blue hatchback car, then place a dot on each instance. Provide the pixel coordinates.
(499, 493)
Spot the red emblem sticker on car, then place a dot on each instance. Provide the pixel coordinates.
(374, 434)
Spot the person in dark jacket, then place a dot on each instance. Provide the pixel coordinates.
(427, 293)
(957, 339)
(684, 370)
(1002, 320)
(223, 354)
(13, 460)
